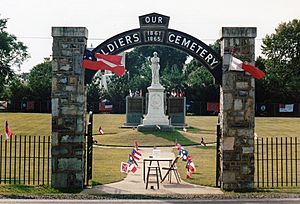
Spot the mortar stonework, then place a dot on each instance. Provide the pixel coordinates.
(237, 111)
(68, 112)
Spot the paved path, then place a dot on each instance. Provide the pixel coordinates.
(133, 183)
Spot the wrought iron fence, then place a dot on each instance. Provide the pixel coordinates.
(25, 160)
(277, 162)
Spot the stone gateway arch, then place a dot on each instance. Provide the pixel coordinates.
(236, 152)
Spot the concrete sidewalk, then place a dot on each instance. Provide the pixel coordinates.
(133, 183)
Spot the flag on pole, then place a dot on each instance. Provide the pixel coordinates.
(103, 62)
(202, 142)
(131, 159)
(130, 93)
(190, 166)
(141, 92)
(132, 168)
(183, 154)
(124, 167)
(212, 106)
(158, 127)
(3, 105)
(286, 108)
(238, 65)
(101, 131)
(178, 146)
(188, 174)
(8, 132)
(136, 154)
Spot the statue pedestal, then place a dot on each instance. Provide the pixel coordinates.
(156, 118)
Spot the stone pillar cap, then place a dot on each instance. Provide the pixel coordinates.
(69, 32)
(238, 32)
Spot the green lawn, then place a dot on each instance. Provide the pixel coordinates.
(26, 123)
(108, 170)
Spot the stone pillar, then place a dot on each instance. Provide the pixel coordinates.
(68, 107)
(237, 110)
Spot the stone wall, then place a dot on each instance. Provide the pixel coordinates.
(237, 111)
(68, 107)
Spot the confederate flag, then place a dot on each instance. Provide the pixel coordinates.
(99, 61)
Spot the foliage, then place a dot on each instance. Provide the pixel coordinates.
(39, 80)
(117, 91)
(173, 78)
(93, 90)
(261, 93)
(18, 89)
(199, 83)
(171, 65)
(282, 51)
(168, 57)
(12, 53)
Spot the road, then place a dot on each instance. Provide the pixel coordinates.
(240, 201)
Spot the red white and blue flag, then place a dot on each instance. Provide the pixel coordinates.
(178, 146)
(99, 61)
(286, 108)
(136, 154)
(8, 132)
(190, 166)
(183, 154)
(3, 105)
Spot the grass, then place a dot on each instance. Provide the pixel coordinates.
(27, 123)
(23, 189)
(108, 170)
(22, 162)
(106, 164)
(204, 159)
(277, 127)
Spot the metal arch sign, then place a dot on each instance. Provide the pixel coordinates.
(154, 30)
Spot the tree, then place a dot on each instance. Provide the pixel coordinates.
(200, 83)
(17, 89)
(117, 92)
(262, 94)
(39, 80)
(282, 51)
(12, 53)
(173, 78)
(171, 66)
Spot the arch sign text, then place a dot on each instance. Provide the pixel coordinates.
(154, 30)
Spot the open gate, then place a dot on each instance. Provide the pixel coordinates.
(89, 151)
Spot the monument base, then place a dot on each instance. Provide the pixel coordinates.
(151, 128)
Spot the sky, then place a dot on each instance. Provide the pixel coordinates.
(31, 20)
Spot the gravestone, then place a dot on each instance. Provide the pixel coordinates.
(134, 111)
(177, 111)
